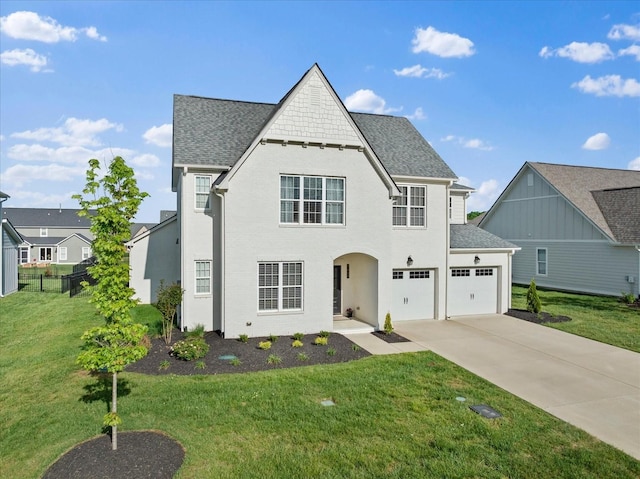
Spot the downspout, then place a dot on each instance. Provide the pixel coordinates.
(638, 277)
(223, 316)
(447, 250)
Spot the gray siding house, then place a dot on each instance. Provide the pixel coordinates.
(9, 241)
(51, 235)
(578, 227)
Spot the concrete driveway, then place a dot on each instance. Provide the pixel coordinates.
(591, 385)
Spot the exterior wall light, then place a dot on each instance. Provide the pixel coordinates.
(409, 261)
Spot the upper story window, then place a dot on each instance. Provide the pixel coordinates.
(202, 187)
(44, 232)
(410, 208)
(311, 200)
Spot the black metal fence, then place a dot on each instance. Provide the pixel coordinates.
(45, 283)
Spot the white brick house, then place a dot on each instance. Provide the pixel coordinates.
(290, 214)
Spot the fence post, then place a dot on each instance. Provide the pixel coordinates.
(41, 287)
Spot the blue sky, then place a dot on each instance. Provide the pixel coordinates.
(489, 84)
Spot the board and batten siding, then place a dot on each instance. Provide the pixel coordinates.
(580, 257)
(9, 264)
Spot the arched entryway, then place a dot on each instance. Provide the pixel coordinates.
(355, 287)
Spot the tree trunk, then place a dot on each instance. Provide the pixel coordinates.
(114, 409)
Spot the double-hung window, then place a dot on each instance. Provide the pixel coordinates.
(86, 252)
(410, 208)
(311, 200)
(203, 277)
(62, 253)
(202, 187)
(279, 286)
(541, 261)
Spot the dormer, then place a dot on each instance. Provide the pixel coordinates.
(458, 195)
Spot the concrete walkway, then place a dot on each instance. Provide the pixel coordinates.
(591, 385)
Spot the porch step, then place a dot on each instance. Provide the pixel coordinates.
(351, 326)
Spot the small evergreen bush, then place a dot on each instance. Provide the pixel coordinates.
(324, 334)
(321, 341)
(296, 344)
(388, 327)
(243, 338)
(264, 345)
(298, 336)
(533, 300)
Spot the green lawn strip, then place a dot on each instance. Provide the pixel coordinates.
(601, 318)
(395, 416)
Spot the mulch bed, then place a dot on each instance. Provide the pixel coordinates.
(390, 338)
(338, 350)
(140, 454)
(537, 318)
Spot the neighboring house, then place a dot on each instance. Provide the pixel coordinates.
(9, 241)
(51, 235)
(579, 227)
(291, 214)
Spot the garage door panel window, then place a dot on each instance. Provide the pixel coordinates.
(418, 274)
(398, 274)
(458, 272)
(484, 272)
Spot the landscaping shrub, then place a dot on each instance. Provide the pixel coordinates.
(533, 300)
(190, 349)
(388, 327)
(243, 338)
(298, 336)
(264, 345)
(297, 344)
(321, 341)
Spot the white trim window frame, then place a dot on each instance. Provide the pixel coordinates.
(312, 200)
(86, 252)
(280, 286)
(201, 192)
(44, 232)
(45, 253)
(542, 261)
(410, 208)
(62, 253)
(24, 254)
(202, 277)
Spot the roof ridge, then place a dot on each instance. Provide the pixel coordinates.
(581, 166)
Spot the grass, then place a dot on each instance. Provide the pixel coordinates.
(395, 416)
(602, 318)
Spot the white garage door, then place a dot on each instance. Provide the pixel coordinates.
(472, 291)
(413, 294)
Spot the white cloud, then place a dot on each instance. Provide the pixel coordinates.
(441, 44)
(624, 32)
(36, 199)
(599, 141)
(609, 85)
(417, 115)
(484, 196)
(64, 155)
(633, 50)
(368, 101)
(31, 26)
(146, 160)
(634, 164)
(474, 143)
(74, 132)
(19, 175)
(418, 71)
(160, 135)
(24, 57)
(580, 52)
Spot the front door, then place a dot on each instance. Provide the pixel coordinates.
(337, 289)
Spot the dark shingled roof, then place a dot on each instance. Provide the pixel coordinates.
(45, 217)
(471, 237)
(621, 209)
(213, 132)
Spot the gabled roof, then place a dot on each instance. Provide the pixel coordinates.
(77, 235)
(11, 231)
(621, 209)
(45, 217)
(4, 195)
(458, 186)
(576, 184)
(212, 132)
(471, 237)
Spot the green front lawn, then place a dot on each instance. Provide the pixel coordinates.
(395, 416)
(605, 319)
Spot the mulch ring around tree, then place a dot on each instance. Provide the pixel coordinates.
(391, 337)
(139, 454)
(537, 318)
(250, 358)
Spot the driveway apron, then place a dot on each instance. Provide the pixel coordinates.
(591, 385)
